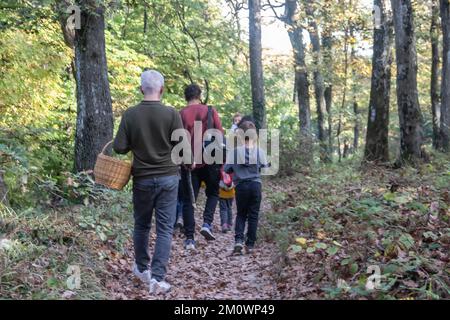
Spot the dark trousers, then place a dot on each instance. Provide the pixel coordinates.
(159, 194)
(248, 202)
(210, 174)
(179, 205)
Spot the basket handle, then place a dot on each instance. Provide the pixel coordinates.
(106, 146)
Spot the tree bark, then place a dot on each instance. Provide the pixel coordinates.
(145, 19)
(344, 94)
(377, 138)
(328, 94)
(445, 89)
(319, 83)
(434, 85)
(356, 127)
(94, 108)
(295, 33)
(256, 66)
(357, 122)
(411, 134)
(328, 106)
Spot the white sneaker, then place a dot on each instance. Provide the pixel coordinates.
(159, 286)
(143, 276)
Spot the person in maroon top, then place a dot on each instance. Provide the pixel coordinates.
(209, 173)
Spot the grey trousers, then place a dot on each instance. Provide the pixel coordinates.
(159, 195)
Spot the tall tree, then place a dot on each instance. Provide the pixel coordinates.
(327, 42)
(357, 122)
(295, 32)
(377, 138)
(319, 83)
(256, 66)
(94, 108)
(445, 89)
(340, 127)
(410, 116)
(435, 59)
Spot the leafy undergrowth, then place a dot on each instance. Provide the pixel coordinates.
(338, 225)
(330, 224)
(44, 248)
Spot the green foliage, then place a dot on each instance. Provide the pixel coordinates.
(345, 220)
(38, 244)
(329, 216)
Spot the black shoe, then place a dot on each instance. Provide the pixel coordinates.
(238, 247)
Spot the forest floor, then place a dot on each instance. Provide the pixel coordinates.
(323, 232)
(209, 272)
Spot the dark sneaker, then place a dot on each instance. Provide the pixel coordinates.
(238, 247)
(189, 244)
(249, 248)
(206, 232)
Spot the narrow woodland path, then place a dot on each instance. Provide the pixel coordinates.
(211, 272)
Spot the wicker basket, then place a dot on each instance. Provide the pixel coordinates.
(110, 172)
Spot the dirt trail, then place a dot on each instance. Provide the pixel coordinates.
(211, 272)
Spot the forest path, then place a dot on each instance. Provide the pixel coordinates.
(210, 272)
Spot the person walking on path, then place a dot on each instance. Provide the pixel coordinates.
(146, 130)
(193, 175)
(226, 197)
(246, 162)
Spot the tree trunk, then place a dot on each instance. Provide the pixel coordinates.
(445, 90)
(328, 105)
(340, 128)
(319, 83)
(256, 66)
(145, 19)
(410, 116)
(328, 94)
(434, 86)
(94, 108)
(377, 138)
(338, 136)
(301, 81)
(357, 125)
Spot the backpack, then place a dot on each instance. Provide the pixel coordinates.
(208, 140)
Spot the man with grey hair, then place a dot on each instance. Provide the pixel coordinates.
(146, 131)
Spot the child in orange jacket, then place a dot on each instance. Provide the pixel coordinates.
(226, 196)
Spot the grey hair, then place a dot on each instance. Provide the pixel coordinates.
(151, 81)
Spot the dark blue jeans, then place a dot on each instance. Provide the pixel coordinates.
(210, 174)
(159, 194)
(248, 202)
(226, 211)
